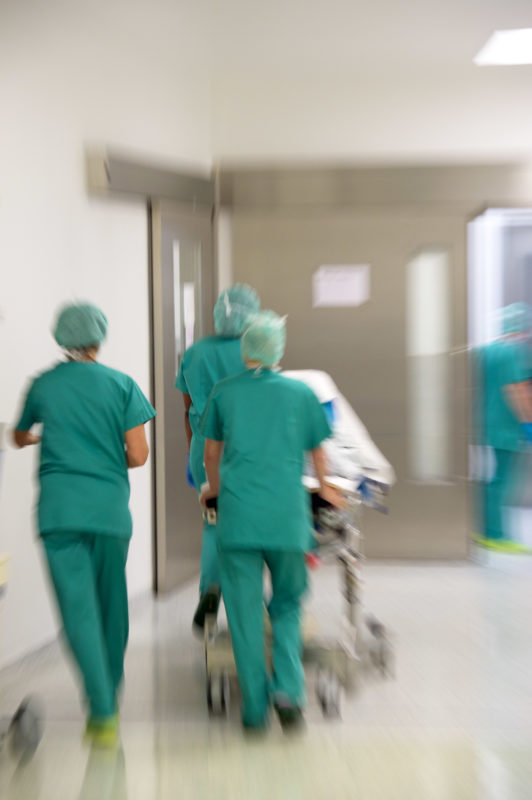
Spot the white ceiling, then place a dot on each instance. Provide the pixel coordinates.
(345, 79)
(302, 36)
(381, 80)
(306, 35)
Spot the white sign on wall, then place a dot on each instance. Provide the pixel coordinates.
(337, 285)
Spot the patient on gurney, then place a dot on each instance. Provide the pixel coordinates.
(354, 462)
(351, 454)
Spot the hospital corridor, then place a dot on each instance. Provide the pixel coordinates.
(265, 400)
(454, 722)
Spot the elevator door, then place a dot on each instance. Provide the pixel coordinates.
(399, 357)
(183, 286)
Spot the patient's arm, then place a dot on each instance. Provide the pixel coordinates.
(329, 493)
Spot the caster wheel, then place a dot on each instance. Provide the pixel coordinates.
(329, 692)
(218, 694)
(386, 660)
(381, 654)
(26, 728)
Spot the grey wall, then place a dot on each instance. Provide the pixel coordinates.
(288, 221)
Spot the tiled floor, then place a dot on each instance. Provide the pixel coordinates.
(454, 724)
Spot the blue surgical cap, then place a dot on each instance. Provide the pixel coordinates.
(265, 339)
(80, 325)
(233, 309)
(516, 318)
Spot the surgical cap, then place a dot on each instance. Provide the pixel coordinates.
(516, 318)
(233, 309)
(80, 325)
(265, 339)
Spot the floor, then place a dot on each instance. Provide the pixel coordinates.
(455, 722)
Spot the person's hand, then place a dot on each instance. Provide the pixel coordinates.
(25, 438)
(206, 494)
(332, 496)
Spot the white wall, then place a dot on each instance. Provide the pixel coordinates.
(72, 74)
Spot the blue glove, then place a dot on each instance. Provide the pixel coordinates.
(527, 430)
(364, 489)
(190, 479)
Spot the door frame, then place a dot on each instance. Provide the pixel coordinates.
(112, 173)
(162, 215)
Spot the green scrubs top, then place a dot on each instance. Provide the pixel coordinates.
(504, 362)
(205, 363)
(85, 408)
(267, 422)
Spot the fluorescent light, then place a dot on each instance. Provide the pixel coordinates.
(507, 47)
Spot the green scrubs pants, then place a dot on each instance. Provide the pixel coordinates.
(500, 493)
(241, 573)
(209, 567)
(88, 573)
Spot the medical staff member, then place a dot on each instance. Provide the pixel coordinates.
(205, 363)
(506, 370)
(258, 426)
(93, 421)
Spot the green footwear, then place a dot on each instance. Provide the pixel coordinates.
(502, 545)
(208, 604)
(102, 731)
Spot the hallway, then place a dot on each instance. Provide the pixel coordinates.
(455, 724)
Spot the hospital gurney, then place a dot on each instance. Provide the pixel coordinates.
(363, 475)
(363, 639)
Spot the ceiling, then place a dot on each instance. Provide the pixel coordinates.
(279, 35)
(345, 79)
(306, 35)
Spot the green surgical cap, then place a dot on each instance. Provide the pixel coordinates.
(233, 309)
(265, 339)
(516, 318)
(80, 325)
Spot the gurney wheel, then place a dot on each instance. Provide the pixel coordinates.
(382, 657)
(381, 651)
(26, 728)
(329, 692)
(218, 694)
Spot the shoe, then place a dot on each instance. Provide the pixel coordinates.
(208, 604)
(102, 731)
(255, 731)
(290, 717)
(503, 545)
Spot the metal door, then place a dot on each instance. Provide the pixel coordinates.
(183, 287)
(366, 350)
